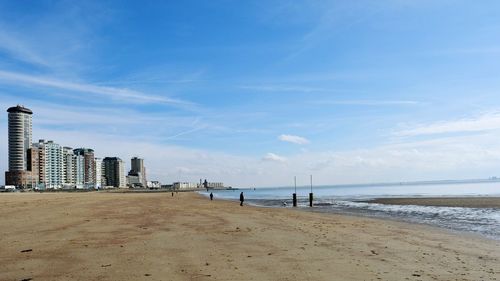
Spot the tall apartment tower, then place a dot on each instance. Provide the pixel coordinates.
(69, 167)
(89, 166)
(20, 134)
(114, 171)
(79, 171)
(98, 173)
(138, 170)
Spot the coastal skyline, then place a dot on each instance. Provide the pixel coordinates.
(255, 93)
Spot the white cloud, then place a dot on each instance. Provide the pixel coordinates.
(293, 139)
(274, 158)
(473, 156)
(484, 122)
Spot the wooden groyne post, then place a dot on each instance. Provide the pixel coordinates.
(294, 197)
(311, 193)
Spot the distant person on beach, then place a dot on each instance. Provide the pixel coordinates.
(172, 194)
(211, 196)
(242, 198)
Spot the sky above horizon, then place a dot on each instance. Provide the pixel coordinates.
(253, 93)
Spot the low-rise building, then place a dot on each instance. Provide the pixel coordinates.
(185, 185)
(215, 185)
(153, 184)
(134, 181)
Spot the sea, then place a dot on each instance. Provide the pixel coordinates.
(347, 199)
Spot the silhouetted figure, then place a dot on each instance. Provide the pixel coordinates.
(172, 194)
(242, 198)
(211, 196)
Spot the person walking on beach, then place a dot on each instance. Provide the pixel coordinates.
(242, 198)
(211, 196)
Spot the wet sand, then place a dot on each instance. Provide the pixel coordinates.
(468, 202)
(117, 236)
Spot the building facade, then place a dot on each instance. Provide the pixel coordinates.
(98, 173)
(89, 177)
(185, 185)
(79, 171)
(137, 173)
(51, 164)
(114, 172)
(215, 185)
(69, 167)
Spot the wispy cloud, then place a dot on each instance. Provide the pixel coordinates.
(117, 94)
(368, 102)
(11, 45)
(493, 50)
(293, 139)
(282, 88)
(190, 131)
(158, 75)
(484, 122)
(118, 121)
(335, 18)
(274, 158)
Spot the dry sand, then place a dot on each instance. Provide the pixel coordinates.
(469, 202)
(116, 236)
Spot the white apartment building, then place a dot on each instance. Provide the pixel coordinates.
(79, 171)
(69, 162)
(98, 173)
(51, 164)
(215, 185)
(185, 185)
(123, 175)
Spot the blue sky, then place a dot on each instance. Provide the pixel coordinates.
(254, 92)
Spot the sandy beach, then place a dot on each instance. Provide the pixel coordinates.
(154, 236)
(467, 202)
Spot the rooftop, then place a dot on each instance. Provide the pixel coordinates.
(19, 108)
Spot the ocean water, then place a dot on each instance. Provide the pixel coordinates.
(346, 200)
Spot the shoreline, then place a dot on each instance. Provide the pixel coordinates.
(409, 213)
(358, 215)
(116, 236)
(462, 202)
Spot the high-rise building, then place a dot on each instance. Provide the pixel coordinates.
(137, 172)
(34, 165)
(39, 149)
(69, 167)
(89, 166)
(114, 171)
(98, 173)
(51, 170)
(79, 171)
(19, 134)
